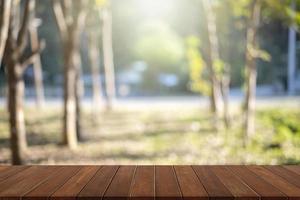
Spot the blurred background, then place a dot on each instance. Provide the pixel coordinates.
(149, 82)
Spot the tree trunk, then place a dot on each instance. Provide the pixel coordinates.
(70, 81)
(95, 71)
(291, 58)
(250, 96)
(5, 9)
(16, 114)
(70, 18)
(79, 91)
(37, 69)
(108, 58)
(251, 72)
(15, 63)
(225, 95)
(216, 103)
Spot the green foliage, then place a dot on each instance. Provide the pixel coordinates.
(196, 66)
(271, 9)
(219, 68)
(159, 135)
(284, 123)
(101, 3)
(284, 10)
(240, 8)
(128, 19)
(159, 46)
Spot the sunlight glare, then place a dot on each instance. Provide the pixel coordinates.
(154, 8)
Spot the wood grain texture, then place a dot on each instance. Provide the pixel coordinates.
(284, 186)
(212, 184)
(190, 185)
(32, 178)
(54, 182)
(96, 188)
(3, 167)
(293, 168)
(265, 190)
(289, 176)
(150, 182)
(143, 184)
(10, 171)
(119, 188)
(74, 185)
(166, 185)
(237, 187)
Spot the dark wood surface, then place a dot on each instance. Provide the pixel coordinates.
(150, 182)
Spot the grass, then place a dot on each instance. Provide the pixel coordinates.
(158, 136)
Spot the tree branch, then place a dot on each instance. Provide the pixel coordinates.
(68, 6)
(28, 11)
(25, 62)
(82, 13)
(60, 18)
(4, 24)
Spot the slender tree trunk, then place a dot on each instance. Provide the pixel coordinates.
(5, 13)
(16, 113)
(251, 71)
(95, 71)
(16, 63)
(291, 58)
(250, 102)
(216, 103)
(79, 91)
(225, 95)
(70, 17)
(5, 9)
(70, 81)
(108, 58)
(37, 69)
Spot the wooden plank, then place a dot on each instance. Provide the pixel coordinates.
(44, 190)
(287, 188)
(73, 186)
(3, 167)
(190, 185)
(166, 184)
(237, 187)
(150, 182)
(261, 187)
(10, 171)
(120, 186)
(34, 176)
(293, 168)
(286, 174)
(13, 179)
(212, 184)
(143, 184)
(96, 188)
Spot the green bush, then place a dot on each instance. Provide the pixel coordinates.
(284, 123)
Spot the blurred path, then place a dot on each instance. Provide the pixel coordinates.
(176, 102)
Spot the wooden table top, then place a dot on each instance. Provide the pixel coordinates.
(150, 182)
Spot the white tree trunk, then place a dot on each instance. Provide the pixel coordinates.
(4, 24)
(37, 69)
(95, 71)
(214, 55)
(70, 19)
(108, 57)
(251, 71)
(70, 81)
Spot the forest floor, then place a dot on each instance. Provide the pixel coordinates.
(158, 135)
